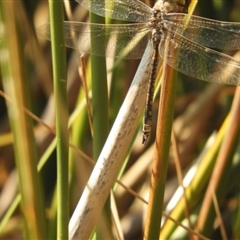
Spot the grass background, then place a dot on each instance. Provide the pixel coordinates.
(27, 91)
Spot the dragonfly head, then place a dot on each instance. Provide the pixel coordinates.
(167, 6)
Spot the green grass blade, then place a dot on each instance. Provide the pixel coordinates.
(60, 94)
(100, 119)
(17, 88)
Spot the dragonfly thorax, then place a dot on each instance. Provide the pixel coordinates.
(156, 24)
(155, 21)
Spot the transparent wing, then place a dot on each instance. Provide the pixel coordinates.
(114, 40)
(200, 62)
(126, 10)
(207, 32)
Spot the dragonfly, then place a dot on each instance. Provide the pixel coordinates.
(190, 41)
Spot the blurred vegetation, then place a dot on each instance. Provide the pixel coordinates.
(200, 127)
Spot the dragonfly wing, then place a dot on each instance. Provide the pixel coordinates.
(125, 10)
(207, 32)
(117, 40)
(197, 61)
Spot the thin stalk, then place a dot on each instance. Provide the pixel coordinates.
(100, 95)
(161, 154)
(100, 117)
(60, 96)
(217, 182)
(16, 86)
